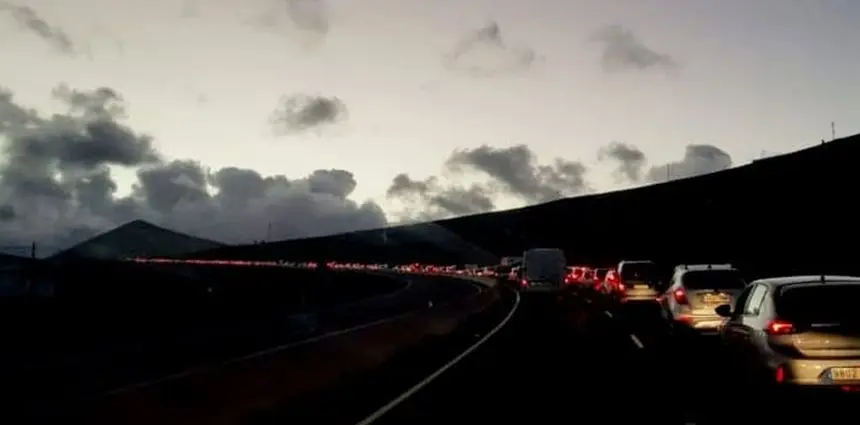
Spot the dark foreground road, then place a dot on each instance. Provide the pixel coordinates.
(36, 390)
(571, 361)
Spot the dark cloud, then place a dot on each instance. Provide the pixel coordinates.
(428, 199)
(485, 52)
(56, 185)
(629, 160)
(622, 51)
(697, 160)
(513, 172)
(30, 20)
(301, 112)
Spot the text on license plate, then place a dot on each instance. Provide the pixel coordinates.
(715, 299)
(845, 374)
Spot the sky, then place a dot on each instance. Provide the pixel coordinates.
(246, 119)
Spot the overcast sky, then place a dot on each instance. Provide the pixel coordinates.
(424, 108)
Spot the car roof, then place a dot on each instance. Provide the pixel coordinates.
(789, 280)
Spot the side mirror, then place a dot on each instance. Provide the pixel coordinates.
(724, 310)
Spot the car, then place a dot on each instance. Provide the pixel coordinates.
(543, 270)
(796, 332)
(695, 290)
(639, 281)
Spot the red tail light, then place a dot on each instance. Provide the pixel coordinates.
(612, 277)
(779, 327)
(680, 296)
(567, 280)
(524, 283)
(621, 287)
(779, 374)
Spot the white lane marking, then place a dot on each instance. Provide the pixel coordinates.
(417, 387)
(607, 313)
(637, 341)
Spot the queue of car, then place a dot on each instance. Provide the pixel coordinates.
(787, 332)
(784, 332)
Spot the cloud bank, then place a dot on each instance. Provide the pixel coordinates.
(56, 185)
(517, 173)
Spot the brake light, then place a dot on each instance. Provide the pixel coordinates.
(621, 287)
(680, 296)
(612, 277)
(779, 374)
(567, 279)
(779, 327)
(524, 282)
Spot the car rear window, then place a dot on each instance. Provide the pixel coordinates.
(713, 279)
(639, 271)
(820, 303)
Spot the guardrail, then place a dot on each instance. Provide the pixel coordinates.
(231, 392)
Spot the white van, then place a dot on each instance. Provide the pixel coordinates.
(543, 269)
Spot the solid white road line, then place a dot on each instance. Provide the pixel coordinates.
(637, 341)
(607, 313)
(403, 397)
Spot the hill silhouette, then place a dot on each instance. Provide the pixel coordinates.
(788, 211)
(136, 239)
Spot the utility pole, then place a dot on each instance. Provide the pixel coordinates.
(269, 232)
(832, 130)
(33, 250)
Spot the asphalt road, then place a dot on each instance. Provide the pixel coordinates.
(109, 370)
(573, 361)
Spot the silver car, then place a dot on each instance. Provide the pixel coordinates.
(801, 331)
(695, 290)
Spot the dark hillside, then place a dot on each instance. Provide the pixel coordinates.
(782, 213)
(136, 239)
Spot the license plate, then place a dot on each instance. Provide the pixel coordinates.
(845, 374)
(715, 299)
(640, 287)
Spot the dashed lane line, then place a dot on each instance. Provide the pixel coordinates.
(637, 341)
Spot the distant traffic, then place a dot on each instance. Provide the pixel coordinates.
(787, 331)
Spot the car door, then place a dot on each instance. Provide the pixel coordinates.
(731, 331)
(741, 327)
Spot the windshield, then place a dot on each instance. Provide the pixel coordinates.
(639, 271)
(713, 279)
(820, 303)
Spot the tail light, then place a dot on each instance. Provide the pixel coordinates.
(680, 296)
(779, 374)
(621, 287)
(612, 278)
(779, 327)
(567, 279)
(524, 283)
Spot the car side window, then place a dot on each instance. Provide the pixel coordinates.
(741, 301)
(753, 304)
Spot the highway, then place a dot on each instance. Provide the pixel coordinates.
(120, 368)
(545, 361)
